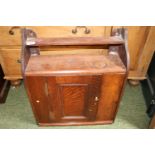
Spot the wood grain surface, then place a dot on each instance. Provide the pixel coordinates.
(74, 41)
(74, 64)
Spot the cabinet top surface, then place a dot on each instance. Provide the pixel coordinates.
(74, 65)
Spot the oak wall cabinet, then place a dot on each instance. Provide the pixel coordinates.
(141, 45)
(75, 89)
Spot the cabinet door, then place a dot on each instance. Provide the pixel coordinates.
(74, 98)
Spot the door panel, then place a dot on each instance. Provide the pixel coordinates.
(64, 99)
(72, 98)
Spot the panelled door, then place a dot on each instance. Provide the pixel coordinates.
(64, 99)
(74, 98)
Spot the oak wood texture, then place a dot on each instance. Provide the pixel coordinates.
(9, 61)
(112, 89)
(47, 31)
(10, 43)
(147, 51)
(141, 41)
(74, 41)
(139, 45)
(74, 65)
(74, 89)
(121, 50)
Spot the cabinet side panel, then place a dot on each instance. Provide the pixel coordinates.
(111, 89)
(38, 97)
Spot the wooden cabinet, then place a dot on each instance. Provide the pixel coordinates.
(78, 89)
(75, 100)
(141, 44)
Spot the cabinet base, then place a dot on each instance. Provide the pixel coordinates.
(76, 123)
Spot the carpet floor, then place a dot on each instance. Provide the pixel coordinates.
(16, 113)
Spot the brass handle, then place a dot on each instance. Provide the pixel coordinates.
(11, 31)
(86, 31)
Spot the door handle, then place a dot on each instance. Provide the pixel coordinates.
(96, 99)
(11, 31)
(86, 30)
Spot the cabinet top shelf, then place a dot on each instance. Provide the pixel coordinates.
(74, 65)
(74, 41)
